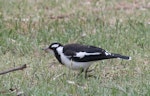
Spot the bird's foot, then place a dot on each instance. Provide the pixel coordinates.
(90, 70)
(89, 75)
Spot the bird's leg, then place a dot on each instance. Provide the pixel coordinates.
(90, 70)
(80, 71)
(86, 75)
(86, 70)
(71, 64)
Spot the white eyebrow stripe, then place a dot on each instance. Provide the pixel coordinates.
(83, 54)
(55, 45)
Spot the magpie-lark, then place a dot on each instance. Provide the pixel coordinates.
(80, 57)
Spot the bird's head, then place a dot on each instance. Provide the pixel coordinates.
(52, 47)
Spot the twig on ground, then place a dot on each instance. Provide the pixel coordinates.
(14, 69)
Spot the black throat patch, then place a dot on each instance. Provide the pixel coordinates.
(58, 57)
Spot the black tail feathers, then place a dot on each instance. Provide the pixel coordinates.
(120, 56)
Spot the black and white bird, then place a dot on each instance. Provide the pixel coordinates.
(80, 57)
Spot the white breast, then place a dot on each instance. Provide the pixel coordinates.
(71, 64)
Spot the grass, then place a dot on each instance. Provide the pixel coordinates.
(27, 26)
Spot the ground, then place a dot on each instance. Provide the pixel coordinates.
(27, 26)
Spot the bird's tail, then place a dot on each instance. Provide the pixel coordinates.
(113, 55)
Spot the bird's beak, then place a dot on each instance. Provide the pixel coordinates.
(46, 49)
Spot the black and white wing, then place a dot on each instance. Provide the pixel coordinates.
(84, 53)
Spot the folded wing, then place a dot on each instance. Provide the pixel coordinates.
(83, 53)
